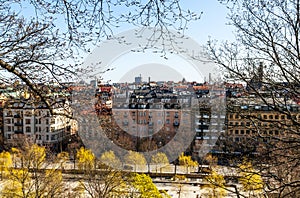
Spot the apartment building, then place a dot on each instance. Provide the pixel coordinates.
(256, 121)
(150, 115)
(251, 121)
(31, 121)
(209, 118)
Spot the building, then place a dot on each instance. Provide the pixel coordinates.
(256, 121)
(26, 119)
(149, 117)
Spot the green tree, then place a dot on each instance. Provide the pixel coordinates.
(33, 176)
(144, 187)
(62, 158)
(250, 179)
(135, 158)
(110, 159)
(159, 159)
(85, 159)
(5, 163)
(216, 186)
(105, 182)
(187, 161)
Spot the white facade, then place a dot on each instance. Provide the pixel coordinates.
(34, 123)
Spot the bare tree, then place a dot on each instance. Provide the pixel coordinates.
(266, 58)
(45, 45)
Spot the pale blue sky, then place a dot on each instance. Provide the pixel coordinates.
(212, 24)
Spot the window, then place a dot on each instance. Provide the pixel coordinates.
(47, 121)
(244, 107)
(9, 114)
(257, 107)
(27, 121)
(271, 117)
(28, 113)
(265, 117)
(28, 129)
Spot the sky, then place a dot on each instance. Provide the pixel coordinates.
(211, 25)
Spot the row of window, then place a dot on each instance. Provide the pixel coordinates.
(148, 121)
(28, 121)
(266, 116)
(28, 113)
(252, 132)
(265, 108)
(38, 137)
(258, 124)
(28, 129)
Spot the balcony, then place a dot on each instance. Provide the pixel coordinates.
(19, 131)
(18, 123)
(202, 130)
(176, 123)
(202, 124)
(17, 116)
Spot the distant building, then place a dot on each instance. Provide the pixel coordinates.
(138, 80)
(30, 121)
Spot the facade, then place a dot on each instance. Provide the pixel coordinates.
(209, 118)
(253, 124)
(29, 121)
(150, 115)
